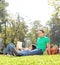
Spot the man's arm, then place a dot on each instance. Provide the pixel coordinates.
(48, 45)
(48, 50)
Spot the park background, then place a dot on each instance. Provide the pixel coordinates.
(20, 20)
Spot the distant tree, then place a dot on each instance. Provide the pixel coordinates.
(16, 29)
(3, 12)
(55, 22)
(3, 17)
(34, 30)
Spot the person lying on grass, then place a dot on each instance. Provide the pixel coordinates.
(42, 43)
(8, 49)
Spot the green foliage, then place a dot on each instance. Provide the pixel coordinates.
(15, 30)
(36, 26)
(54, 23)
(3, 16)
(3, 13)
(30, 60)
(0, 28)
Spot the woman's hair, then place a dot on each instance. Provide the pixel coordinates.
(33, 47)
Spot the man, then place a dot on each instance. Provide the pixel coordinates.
(42, 43)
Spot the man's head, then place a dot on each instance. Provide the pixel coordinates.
(41, 33)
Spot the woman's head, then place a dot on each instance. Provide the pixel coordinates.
(32, 47)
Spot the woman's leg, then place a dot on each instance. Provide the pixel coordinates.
(28, 52)
(8, 49)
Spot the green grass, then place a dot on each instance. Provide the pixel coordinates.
(30, 60)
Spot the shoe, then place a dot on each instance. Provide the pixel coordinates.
(14, 52)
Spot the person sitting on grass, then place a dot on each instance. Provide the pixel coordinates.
(42, 43)
(53, 50)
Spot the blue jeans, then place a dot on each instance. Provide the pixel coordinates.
(29, 52)
(8, 49)
(23, 52)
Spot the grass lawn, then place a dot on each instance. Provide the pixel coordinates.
(30, 60)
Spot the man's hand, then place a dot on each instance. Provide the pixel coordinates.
(48, 49)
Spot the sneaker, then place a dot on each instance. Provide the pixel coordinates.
(14, 51)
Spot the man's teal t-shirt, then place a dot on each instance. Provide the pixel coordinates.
(42, 43)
